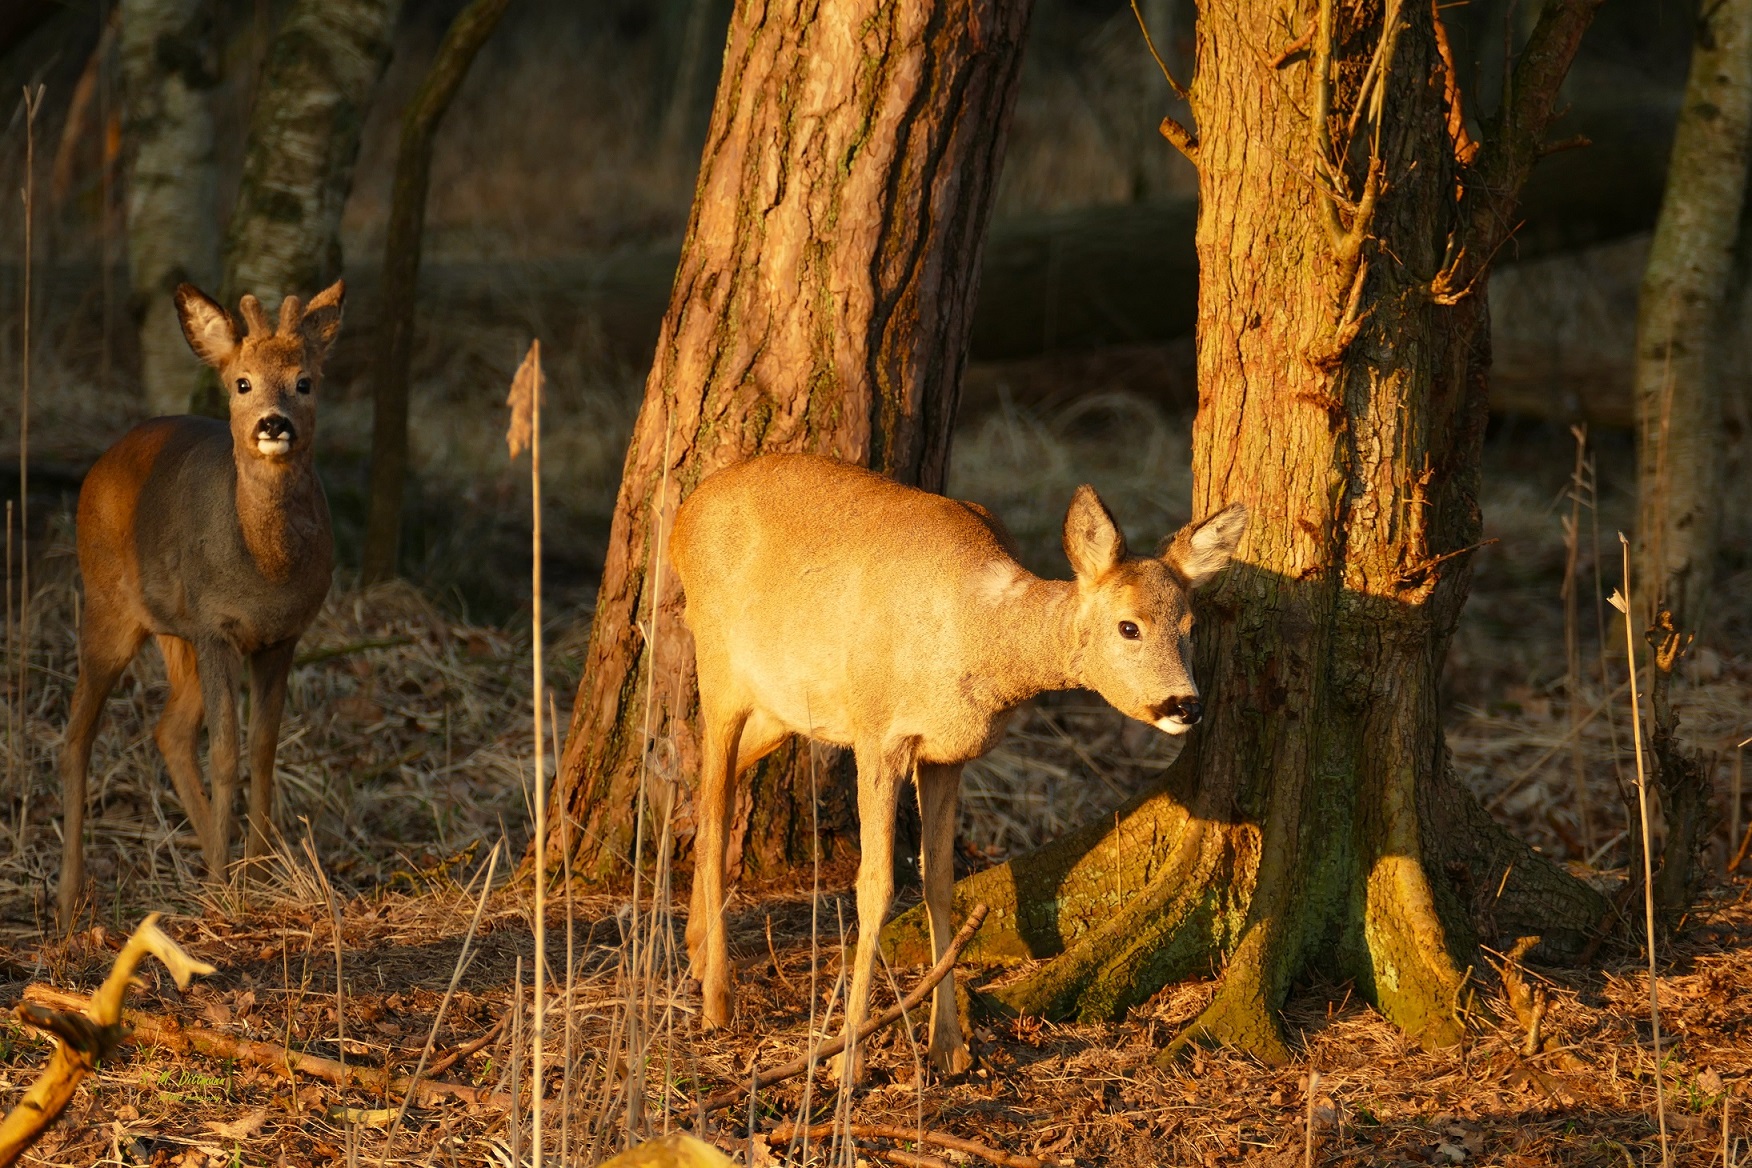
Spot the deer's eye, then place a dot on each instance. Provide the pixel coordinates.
(304, 385)
(1129, 631)
(243, 385)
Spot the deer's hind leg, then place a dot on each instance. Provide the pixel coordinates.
(939, 791)
(107, 642)
(178, 735)
(267, 700)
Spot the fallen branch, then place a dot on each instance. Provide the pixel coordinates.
(172, 1036)
(832, 1047)
(86, 1038)
(895, 1131)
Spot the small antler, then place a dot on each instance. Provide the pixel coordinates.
(253, 316)
(291, 312)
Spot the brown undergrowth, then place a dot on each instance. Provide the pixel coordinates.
(406, 756)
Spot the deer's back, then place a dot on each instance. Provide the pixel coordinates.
(159, 539)
(836, 599)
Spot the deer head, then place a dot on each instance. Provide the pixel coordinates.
(270, 375)
(1133, 623)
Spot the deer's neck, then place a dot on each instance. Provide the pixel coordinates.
(1033, 650)
(280, 513)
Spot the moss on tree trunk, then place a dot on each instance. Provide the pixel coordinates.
(1313, 822)
(823, 303)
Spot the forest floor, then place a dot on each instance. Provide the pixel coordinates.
(406, 758)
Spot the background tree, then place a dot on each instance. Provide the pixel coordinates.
(823, 303)
(169, 66)
(1348, 217)
(1680, 320)
(322, 67)
(401, 277)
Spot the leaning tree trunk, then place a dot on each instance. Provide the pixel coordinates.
(401, 277)
(823, 303)
(169, 66)
(1313, 822)
(1680, 320)
(285, 232)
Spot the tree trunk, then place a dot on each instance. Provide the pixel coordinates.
(823, 303)
(401, 276)
(1680, 321)
(323, 65)
(169, 67)
(1313, 822)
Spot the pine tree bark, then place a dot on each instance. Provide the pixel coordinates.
(401, 277)
(1680, 320)
(316, 87)
(169, 66)
(1313, 821)
(823, 303)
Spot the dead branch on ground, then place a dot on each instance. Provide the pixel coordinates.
(172, 1036)
(86, 1038)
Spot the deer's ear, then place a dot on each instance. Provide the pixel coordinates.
(210, 331)
(1093, 541)
(1200, 550)
(321, 322)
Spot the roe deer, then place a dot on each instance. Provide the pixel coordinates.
(214, 538)
(837, 604)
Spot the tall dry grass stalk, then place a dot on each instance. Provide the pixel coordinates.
(1572, 640)
(525, 432)
(1623, 603)
(1736, 790)
(33, 101)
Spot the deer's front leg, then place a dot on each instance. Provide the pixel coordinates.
(218, 664)
(267, 700)
(879, 780)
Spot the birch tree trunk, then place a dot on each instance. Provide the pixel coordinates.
(823, 303)
(322, 68)
(1313, 822)
(1680, 320)
(168, 65)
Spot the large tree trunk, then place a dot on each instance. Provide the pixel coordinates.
(1680, 320)
(823, 303)
(1313, 822)
(169, 66)
(321, 72)
(401, 277)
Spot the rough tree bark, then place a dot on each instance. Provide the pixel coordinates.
(169, 66)
(823, 303)
(401, 277)
(1314, 822)
(1680, 320)
(316, 87)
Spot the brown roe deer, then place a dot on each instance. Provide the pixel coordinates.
(836, 604)
(212, 537)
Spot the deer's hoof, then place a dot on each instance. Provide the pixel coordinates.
(838, 1071)
(954, 1060)
(717, 1007)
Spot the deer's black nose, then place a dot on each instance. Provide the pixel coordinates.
(275, 426)
(1186, 711)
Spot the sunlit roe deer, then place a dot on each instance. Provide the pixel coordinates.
(833, 603)
(213, 537)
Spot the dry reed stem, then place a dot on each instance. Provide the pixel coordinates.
(33, 101)
(1624, 604)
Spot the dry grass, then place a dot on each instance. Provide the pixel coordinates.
(406, 754)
